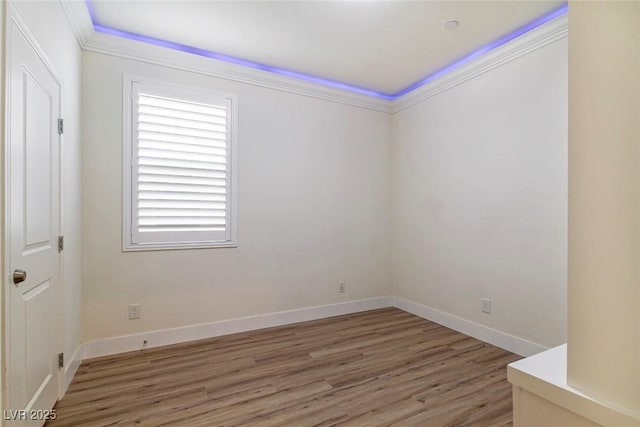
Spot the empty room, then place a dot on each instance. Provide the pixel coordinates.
(320, 213)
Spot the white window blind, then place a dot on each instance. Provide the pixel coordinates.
(180, 168)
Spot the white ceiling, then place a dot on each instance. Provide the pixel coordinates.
(379, 45)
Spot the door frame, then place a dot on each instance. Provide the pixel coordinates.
(13, 19)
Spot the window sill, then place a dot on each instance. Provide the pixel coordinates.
(173, 246)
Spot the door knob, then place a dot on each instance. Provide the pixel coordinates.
(19, 276)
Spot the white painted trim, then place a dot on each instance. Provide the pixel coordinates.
(130, 168)
(79, 20)
(121, 344)
(484, 333)
(70, 369)
(156, 55)
(544, 35)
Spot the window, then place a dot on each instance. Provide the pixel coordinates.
(179, 167)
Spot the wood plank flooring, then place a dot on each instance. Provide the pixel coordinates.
(377, 368)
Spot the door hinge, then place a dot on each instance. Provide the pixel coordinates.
(60, 243)
(60, 126)
(60, 360)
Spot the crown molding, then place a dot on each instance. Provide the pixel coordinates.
(143, 52)
(78, 17)
(90, 40)
(544, 35)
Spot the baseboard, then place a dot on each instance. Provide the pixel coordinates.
(484, 333)
(122, 344)
(71, 366)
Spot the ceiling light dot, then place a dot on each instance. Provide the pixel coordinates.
(451, 25)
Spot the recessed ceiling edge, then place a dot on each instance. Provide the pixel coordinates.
(319, 80)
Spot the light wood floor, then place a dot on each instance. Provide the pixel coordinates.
(381, 367)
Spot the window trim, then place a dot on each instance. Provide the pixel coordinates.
(128, 144)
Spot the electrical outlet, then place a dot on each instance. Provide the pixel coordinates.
(342, 287)
(134, 311)
(486, 305)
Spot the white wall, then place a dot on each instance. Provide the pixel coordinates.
(604, 220)
(480, 198)
(47, 22)
(313, 198)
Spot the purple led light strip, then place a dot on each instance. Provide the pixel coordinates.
(319, 80)
(485, 49)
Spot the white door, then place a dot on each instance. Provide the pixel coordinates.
(33, 224)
